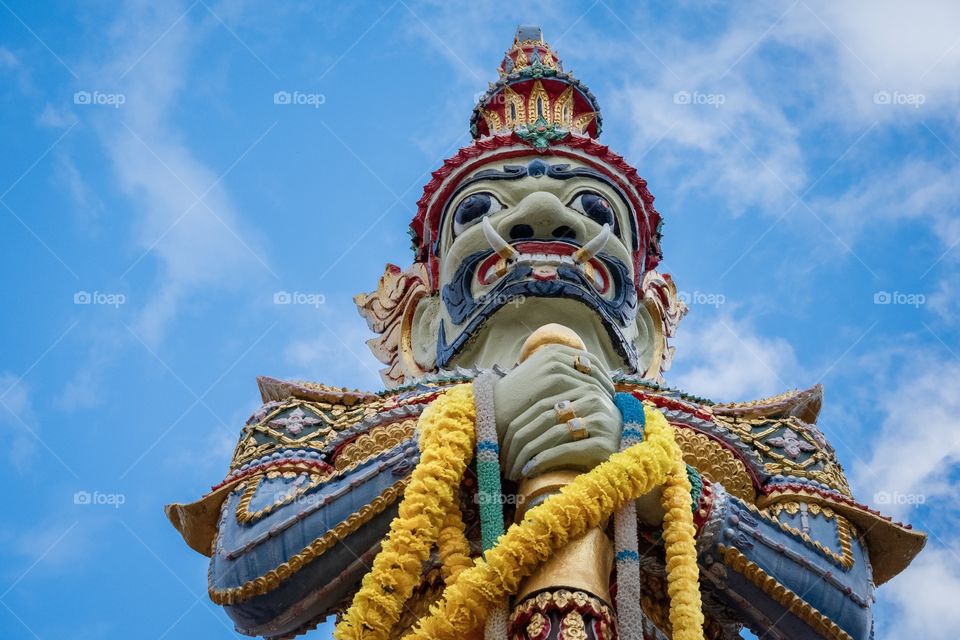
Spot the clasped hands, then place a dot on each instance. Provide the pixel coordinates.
(555, 411)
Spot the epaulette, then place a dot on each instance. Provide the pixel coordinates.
(308, 431)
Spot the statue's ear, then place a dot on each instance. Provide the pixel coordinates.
(401, 311)
(424, 331)
(647, 340)
(658, 317)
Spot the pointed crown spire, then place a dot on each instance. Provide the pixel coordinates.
(535, 93)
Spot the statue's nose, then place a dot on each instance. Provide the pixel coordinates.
(540, 216)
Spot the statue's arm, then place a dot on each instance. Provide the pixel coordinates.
(796, 570)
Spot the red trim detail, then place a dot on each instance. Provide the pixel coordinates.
(670, 403)
(704, 506)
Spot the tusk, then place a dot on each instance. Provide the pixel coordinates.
(592, 248)
(501, 246)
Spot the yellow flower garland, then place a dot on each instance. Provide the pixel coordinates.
(580, 506)
(686, 612)
(453, 546)
(446, 445)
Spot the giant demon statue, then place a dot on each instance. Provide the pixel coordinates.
(535, 222)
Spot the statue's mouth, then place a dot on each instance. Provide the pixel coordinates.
(545, 259)
(485, 282)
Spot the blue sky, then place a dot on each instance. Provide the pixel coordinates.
(804, 155)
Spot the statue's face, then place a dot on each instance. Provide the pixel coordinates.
(546, 209)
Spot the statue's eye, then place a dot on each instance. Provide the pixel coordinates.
(472, 208)
(594, 206)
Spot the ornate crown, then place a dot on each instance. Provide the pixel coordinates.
(534, 95)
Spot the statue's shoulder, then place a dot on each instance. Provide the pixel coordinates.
(298, 416)
(768, 438)
(273, 390)
(314, 430)
(771, 454)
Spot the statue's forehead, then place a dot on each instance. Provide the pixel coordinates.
(539, 173)
(533, 167)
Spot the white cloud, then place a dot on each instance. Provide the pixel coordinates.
(335, 353)
(916, 191)
(721, 129)
(754, 148)
(923, 599)
(945, 299)
(53, 117)
(17, 416)
(7, 59)
(861, 48)
(725, 360)
(217, 445)
(89, 384)
(55, 545)
(917, 446)
(197, 245)
(88, 206)
(186, 227)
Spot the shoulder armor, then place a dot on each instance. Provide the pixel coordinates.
(306, 429)
(769, 452)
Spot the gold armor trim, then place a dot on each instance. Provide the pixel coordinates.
(493, 120)
(514, 110)
(844, 531)
(389, 312)
(666, 309)
(273, 578)
(891, 546)
(716, 463)
(582, 121)
(560, 600)
(373, 443)
(572, 627)
(244, 515)
(536, 625)
(521, 60)
(784, 596)
(563, 108)
(538, 103)
(333, 416)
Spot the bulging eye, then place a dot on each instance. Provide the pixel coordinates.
(472, 208)
(594, 206)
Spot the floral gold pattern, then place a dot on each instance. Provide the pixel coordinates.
(375, 442)
(716, 463)
(789, 447)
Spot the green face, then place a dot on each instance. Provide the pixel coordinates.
(534, 263)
